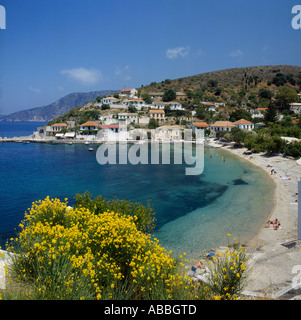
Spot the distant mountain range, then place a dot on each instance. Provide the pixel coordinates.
(54, 110)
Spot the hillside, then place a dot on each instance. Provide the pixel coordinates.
(228, 78)
(53, 110)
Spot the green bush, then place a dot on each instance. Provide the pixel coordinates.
(145, 215)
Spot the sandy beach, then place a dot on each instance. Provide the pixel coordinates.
(273, 253)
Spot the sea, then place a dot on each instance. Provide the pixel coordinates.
(194, 213)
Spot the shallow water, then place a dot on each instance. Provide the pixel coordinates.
(194, 213)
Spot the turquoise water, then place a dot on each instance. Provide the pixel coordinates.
(194, 213)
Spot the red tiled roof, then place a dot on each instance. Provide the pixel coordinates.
(242, 121)
(201, 124)
(90, 124)
(223, 124)
(59, 125)
(126, 90)
(157, 111)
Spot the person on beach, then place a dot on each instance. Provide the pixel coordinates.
(197, 265)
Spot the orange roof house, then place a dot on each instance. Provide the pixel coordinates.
(59, 125)
(223, 124)
(242, 121)
(156, 111)
(201, 125)
(244, 124)
(90, 124)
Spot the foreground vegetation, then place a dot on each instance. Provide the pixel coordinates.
(86, 253)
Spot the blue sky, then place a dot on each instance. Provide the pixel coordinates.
(51, 48)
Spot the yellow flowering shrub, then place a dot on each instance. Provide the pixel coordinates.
(72, 253)
(228, 273)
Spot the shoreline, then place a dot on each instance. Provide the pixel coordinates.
(273, 253)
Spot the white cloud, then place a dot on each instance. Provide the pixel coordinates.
(118, 71)
(200, 52)
(236, 53)
(87, 76)
(176, 52)
(35, 90)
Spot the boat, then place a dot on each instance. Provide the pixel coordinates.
(91, 149)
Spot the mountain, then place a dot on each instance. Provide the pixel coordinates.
(60, 107)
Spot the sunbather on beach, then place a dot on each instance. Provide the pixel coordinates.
(197, 265)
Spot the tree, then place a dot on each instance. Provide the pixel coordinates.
(240, 114)
(265, 94)
(284, 97)
(200, 113)
(274, 144)
(132, 109)
(238, 136)
(169, 95)
(153, 124)
(98, 99)
(105, 107)
(146, 98)
(271, 115)
(212, 83)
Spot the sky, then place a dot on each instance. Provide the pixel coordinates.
(51, 48)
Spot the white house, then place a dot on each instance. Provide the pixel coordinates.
(138, 103)
(114, 132)
(168, 133)
(55, 129)
(296, 107)
(221, 126)
(173, 106)
(89, 128)
(244, 124)
(198, 128)
(108, 100)
(210, 106)
(259, 112)
(128, 92)
(158, 115)
(128, 117)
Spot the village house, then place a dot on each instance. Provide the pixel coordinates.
(128, 117)
(296, 107)
(158, 115)
(128, 92)
(168, 133)
(259, 112)
(210, 106)
(138, 103)
(114, 132)
(198, 128)
(173, 106)
(55, 129)
(219, 126)
(89, 128)
(244, 124)
(108, 100)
